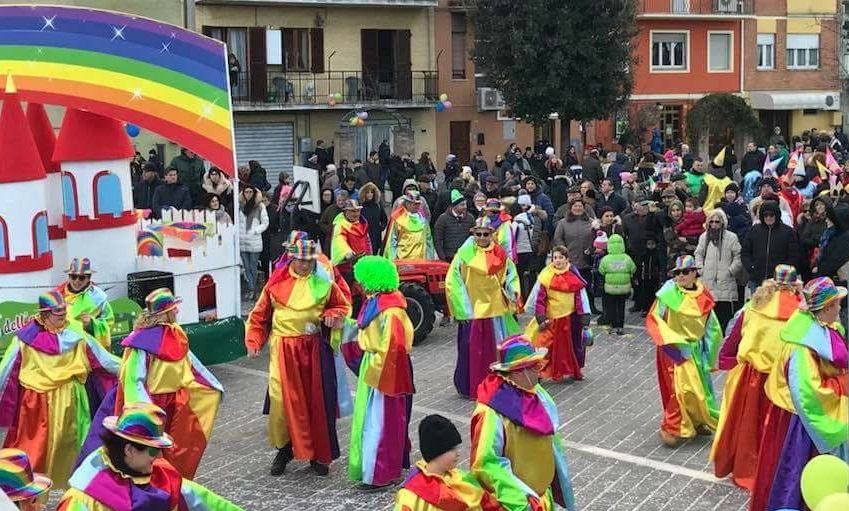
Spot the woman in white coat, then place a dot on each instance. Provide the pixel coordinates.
(718, 255)
(253, 221)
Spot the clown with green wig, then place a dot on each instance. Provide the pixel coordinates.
(380, 446)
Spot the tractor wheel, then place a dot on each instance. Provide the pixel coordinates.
(420, 310)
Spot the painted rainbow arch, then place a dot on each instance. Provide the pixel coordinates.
(161, 77)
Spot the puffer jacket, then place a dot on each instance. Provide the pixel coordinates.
(250, 239)
(617, 267)
(720, 262)
(765, 247)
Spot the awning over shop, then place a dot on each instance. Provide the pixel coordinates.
(795, 100)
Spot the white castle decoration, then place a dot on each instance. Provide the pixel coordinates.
(78, 203)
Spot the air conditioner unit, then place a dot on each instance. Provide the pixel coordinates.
(831, 102)
(489, 99)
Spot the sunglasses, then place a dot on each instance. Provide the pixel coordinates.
(684, 272)
(482, 234)
(715, 222)
(154, 451)
(78, 278)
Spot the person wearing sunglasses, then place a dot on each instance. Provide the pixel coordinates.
(128, 470)
(88, 305)
(683, 326)
(21, 486)
(51, 376)
(483, 295)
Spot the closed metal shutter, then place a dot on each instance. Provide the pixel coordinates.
(272, 144)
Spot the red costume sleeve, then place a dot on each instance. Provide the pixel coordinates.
(259, 322)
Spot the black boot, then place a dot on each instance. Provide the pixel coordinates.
(319, 468)
(284, 456)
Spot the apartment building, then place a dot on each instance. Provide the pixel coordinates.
(374, 56)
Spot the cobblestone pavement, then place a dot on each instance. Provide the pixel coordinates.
(609, 422)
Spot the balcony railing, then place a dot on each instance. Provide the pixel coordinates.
(720, 7)
(294, 89)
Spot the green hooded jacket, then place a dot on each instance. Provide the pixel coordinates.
(617, 267)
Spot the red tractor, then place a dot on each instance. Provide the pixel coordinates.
(423, 285)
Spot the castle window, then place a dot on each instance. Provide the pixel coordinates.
(4, 240)
(41, 240)
(69, 196)
(207, 303)
(107, 194)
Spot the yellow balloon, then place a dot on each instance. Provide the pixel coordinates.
(823, 476)
(834, 502)
(443, 97)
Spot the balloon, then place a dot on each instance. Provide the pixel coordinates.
(360, 122)
(443, 97)
(440, 107)
(822, 476)
(447, 104)
(132, 130)
(834, 502)
(363, 115)
(332, 102)
(549, 151)
(353, 121)
(337, 96)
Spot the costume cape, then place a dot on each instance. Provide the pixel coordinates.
(504, 234)
(302, 386)
(159, 368)
(687, 335)
(380, 446)
(50, 382)
(517, 453)
(348, 238)
(748, 353)
(95, 302)
(97, 486)
(408, 236)
(561, 297)
(454, 491)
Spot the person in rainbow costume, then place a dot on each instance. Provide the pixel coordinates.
(561, 311)
(19, 482)
(380, 447)
(158, 367)
(502, 225)
(483, 294)
(517, 453)
(51, 377)
(683, 326)
(435, 483)
(350, 239)
(127, 471)
(302, 387)
(748, 354)
(807, 390)
(88, 305)
(408, 234)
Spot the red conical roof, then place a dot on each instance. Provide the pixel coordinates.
(19, 157)
(42, 132)
(91, 137)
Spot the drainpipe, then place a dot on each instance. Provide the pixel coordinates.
(742, 54)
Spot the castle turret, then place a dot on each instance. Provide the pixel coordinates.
(45, 140)
(94, 153)
(25, 256)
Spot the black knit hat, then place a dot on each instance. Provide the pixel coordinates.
(437, 435)
(734, 187)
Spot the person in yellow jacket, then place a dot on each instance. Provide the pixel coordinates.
(713, 187)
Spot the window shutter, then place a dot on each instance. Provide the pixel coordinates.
(317, 50)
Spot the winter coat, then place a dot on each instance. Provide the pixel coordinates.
(190, 173)
(752, 161)
(692, 224)
(617, 268)
(577, 234)
(558, 191)
(258, 177)
(614, 202)
(835, 255)
(620, 165)
(765, 246)
(377, 220)
(720, 262)
(361, 176)
(373, 173)
(168, 196)
(739, 221)
(592, 170)
(638, 232)
(250, 239)
(143, 193)
(450, 232)
(330, 180)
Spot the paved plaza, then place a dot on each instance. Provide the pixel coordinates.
(609, 423)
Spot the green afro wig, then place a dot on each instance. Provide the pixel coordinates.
(376, 274)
